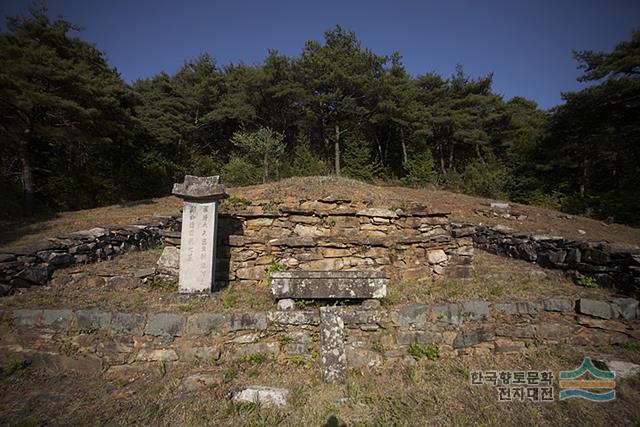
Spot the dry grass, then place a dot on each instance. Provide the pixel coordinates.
(496, 279)
(398, 393)
(19, 235)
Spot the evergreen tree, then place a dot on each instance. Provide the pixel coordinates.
(520, 141)
(420, 168)
(357, 159)
(75, 135)
(264, 147)
(593, 151)
(67, 117)
(340, 81)
(399, 122)
(303, 161)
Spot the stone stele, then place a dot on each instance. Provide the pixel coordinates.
(198, 237)
(333, 358)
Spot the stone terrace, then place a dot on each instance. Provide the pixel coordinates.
(113, 342)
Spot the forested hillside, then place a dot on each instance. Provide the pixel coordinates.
(75, 135)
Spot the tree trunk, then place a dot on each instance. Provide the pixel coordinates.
(404, 147)
(380, 155)
(614, 172)
(480, 155)
(265, 173)
(451, 146)
(443, 167)
(325, 138)
(386, 147)
(337, 151)
(583, 184)
(27, 176)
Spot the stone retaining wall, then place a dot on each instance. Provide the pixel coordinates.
(35, 265)
(414, 245)
(613, 266)
(112, 342)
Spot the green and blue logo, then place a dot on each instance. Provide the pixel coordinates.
(571, 384)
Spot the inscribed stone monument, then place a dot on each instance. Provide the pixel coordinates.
(198, 237)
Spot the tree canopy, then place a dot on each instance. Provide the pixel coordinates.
(592, 152)
(69, 131)
(75, 135)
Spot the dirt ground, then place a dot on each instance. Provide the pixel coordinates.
(401, 392)
(462, 207)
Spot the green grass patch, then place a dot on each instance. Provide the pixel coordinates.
(586, 281)
(230, 299)
(230, 373)
(418, 351)
(298, 359)
(377, 346)
(15, 368)
(284, 339)
(274, 267)
(632, 345)
(257, 358)
(163, 283)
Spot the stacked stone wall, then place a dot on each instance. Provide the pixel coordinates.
(612, 266)
(35, 265)
(412, 246)
(416, 245)
(115, 342)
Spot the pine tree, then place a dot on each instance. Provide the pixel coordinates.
(67, 117)
(357, 159)
(264, 147)
(420, 169)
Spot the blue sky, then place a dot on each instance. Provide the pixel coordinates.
(526, 44)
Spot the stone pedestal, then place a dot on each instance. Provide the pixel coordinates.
(198, 237)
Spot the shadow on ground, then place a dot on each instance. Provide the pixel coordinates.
(11, 231)
(131, 203)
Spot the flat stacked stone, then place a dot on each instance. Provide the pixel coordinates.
(364, 284)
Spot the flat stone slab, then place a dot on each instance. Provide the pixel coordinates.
(364, 284)
(266, 396)
(595, 308)
(377, 213)
(200, 187)
(498, 205)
